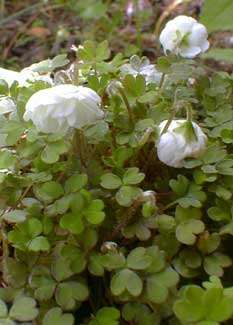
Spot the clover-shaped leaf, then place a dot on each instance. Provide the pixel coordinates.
(110, 181)
(138, 229)
(67, 293)
(214, 264)
(126, 195)
(53, 150)
(76, 257)
(49, 191)
(60, 269)
(106, 316)
(189, 307)
(94, 213)
(126, 280)
(95, 265)
(23, 309)
(158, 285)
(75, 183)
(198, 305)
(179, 186)
(157, 259)
(26, 236)
(208, 243)
(189, 193)
(113, 260)
(55, 316)
(138, 259)
(187, 230)
(72, 222)
(132, 176)
(140, 313)
(15, 216)
(218, 213)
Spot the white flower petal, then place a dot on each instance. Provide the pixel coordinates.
(173, 147)
(189, 52)
(184, 36)
(56, 109)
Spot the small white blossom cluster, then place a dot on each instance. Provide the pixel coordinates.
(58, 108)
(185, 37)
(181, 140)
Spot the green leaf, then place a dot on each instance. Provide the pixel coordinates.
(93, 212)
(138, 259)
(110, 181)
(16, 272)
(209, 243)
(61, 269)
(68, 293)
(189, 307)
(3, 309)
(40, 243)
(157, 259)
(49, 191)
(25, 232)
(220, 54)
(106, 316)
(72, 222)
(126, 280)
(179, 186)
(126, 195)
(7, 159)
(159, 283)
(186, 231)
(75, 183)
(15, 216)
(213, 153)
(55, 316)
(50, 65)
(132, 176)
(76, 256)
(218, 214)
(134, 86)
(24, 309)
(214, 264)
(95, 265)
(52, 151)
(217, 15)
(219, 307)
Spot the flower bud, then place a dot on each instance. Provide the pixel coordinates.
(182, 139)
(184, 36)
(58, 108)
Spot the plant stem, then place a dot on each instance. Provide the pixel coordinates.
(76, 72)
(162, 80)
(80, 148)
(172, 115)
(125, 99)
(189, 113)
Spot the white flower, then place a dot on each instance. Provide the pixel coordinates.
(141, 66)
(58, 108)
(184, 36)
(22, 77)
(182, 140)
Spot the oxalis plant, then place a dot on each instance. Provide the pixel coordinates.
(116, 187)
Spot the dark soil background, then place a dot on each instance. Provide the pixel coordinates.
(35, 30)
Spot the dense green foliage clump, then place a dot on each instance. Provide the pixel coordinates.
(95, 229)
